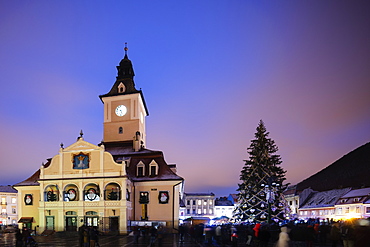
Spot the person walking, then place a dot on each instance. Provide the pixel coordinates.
(18, 238)
(283, 238)
(153, 235)
(94, 237)
(81, 230)
(335, 235)
(249, 234)
(86, 239)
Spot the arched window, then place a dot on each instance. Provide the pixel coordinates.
(71, 193)
(91, 192)
(91, 218)
(120, 130)
(112, 192)
(51, 193)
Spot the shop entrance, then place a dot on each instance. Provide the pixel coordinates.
(50, 223)
(114, 224)
(71, 223)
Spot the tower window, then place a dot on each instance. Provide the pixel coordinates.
(121, 88)
(120, 130)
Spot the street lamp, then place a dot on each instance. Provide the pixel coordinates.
(270, 191)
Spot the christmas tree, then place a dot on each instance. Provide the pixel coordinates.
(260, 191)
(51, 196)
(113, 195)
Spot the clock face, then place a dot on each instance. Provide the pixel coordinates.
(121, 110)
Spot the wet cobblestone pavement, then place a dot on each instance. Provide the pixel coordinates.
(71, 240)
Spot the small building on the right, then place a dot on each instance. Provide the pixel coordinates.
(336, 204)
(354, 204)
(320, 205)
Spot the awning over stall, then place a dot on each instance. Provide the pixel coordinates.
(25, 220)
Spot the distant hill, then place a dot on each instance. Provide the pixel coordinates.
(352, 170)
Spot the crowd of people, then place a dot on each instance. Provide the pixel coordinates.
(350, 233)
(154, 234)
(23, 238)
(88, 236)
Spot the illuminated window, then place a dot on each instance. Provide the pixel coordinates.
(210, 211)
(339, 210)
(368, 210)
(205, 211)
(199, 211)
(347, 210)
(205, 202)
(199, 202)
(14, 200)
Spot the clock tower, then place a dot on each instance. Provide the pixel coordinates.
(124, 107)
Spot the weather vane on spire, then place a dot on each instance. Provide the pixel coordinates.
(126, 49)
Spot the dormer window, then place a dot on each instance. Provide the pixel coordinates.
(140, 169)
(343, 200)
(357, 199)
(121, 88)
(153, 168)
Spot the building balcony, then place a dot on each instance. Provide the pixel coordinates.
(70, 204)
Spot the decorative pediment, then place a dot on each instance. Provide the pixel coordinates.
(81, 145)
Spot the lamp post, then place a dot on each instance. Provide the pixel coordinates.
(270, 191)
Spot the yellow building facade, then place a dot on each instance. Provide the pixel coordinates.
(113, 185)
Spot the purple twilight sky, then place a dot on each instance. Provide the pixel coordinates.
(209, 70)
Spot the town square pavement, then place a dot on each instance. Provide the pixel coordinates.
(71, 240)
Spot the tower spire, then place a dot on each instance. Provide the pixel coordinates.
(126, 49)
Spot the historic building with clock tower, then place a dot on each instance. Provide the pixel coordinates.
(114, 185)
(124, 106)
